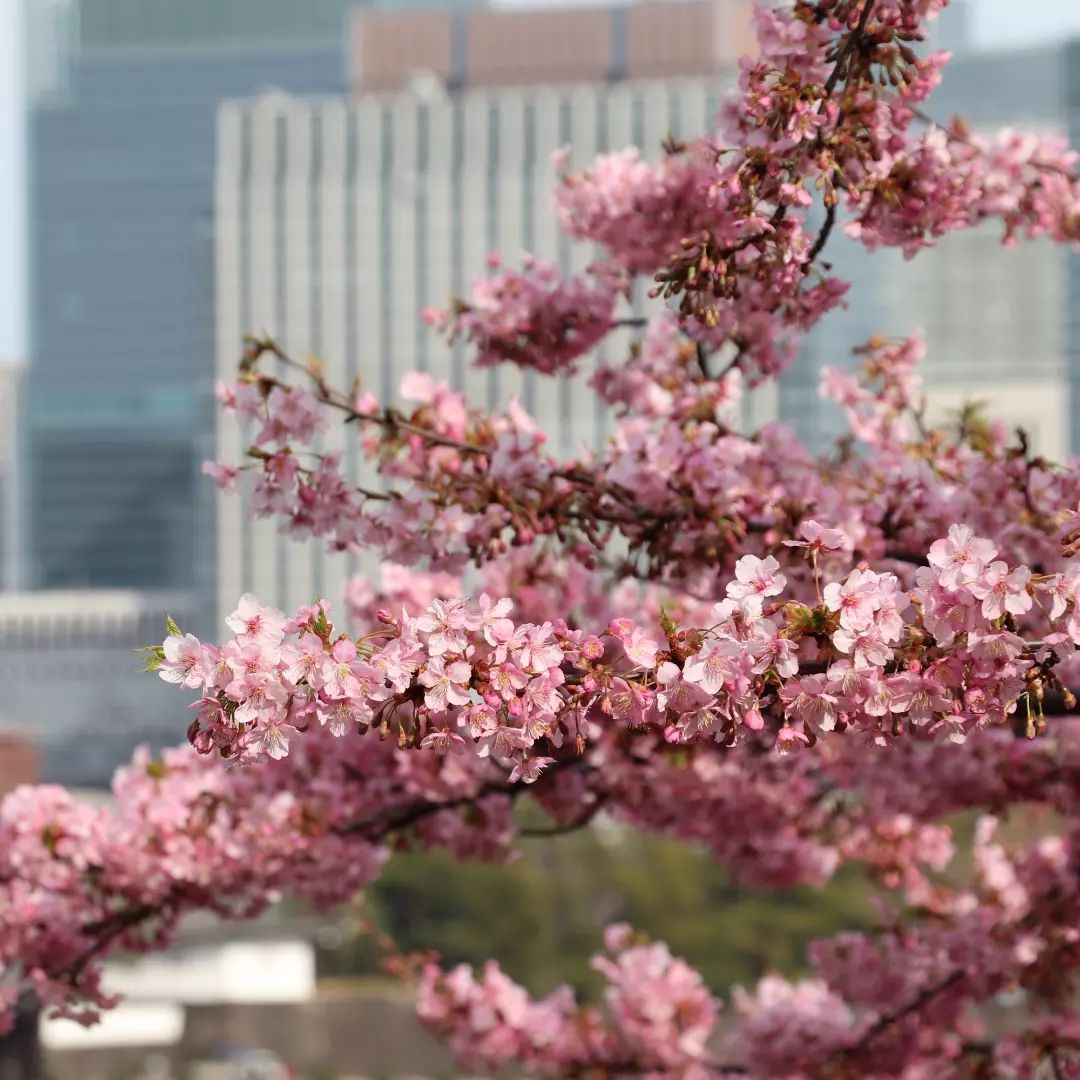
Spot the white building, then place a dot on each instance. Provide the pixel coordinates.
(338, 222)
(212, 963)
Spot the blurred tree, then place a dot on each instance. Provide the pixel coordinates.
(541, 918)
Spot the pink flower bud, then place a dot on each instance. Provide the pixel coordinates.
(592, 648)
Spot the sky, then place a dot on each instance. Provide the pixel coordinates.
(996, 23)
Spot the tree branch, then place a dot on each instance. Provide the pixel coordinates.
(823, 235)
(887, 1020)
(396, 818)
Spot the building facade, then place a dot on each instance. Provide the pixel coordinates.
(121, 140)
(74, 683)
(12, 377)
(481, 46)
(996, 320)
(338, 221)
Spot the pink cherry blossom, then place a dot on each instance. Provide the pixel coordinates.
(255, 624)
(808, 700)
(756, 578)
(446, 684)
(855, 599)
(446, 624)
(816, 537)
(187, 661)
(960, 558)
(1002, 590)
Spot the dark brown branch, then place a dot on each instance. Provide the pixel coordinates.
(614, 1069)
(105, 931)
(565, 827)
(915, 558)
(383, 823)
(887, 1020)
(1055, 1065)
(823, 235)
(390, 419)
(378, 825)
(702, 359)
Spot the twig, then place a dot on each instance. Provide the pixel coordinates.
(383, 823)
(565, 827)
(702, 359)
(886, 1020)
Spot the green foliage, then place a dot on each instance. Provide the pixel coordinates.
(542, 917)
(155, 656)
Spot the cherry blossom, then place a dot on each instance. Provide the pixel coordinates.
(255, 624)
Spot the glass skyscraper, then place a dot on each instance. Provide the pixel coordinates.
(121, 137)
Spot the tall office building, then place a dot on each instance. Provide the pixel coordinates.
(72, 678)
(11, 508)
(338, 221)
(121, 154)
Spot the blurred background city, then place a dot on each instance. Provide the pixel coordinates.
(180, 172)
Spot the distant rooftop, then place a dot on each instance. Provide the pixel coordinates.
(114, 23)
(470, 45)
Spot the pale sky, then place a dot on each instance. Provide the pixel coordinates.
(997, 23)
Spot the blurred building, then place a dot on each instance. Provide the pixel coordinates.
(73, 682)
(999, 323)
(584, 43)
(11, 501)
(233, 1000)
(117, 414)
(121, 137)
(337, 221)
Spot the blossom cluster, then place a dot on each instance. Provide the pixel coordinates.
(677, 484)
(896, 1006)
(659, 1015)
(946, 655)
(531, 317)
